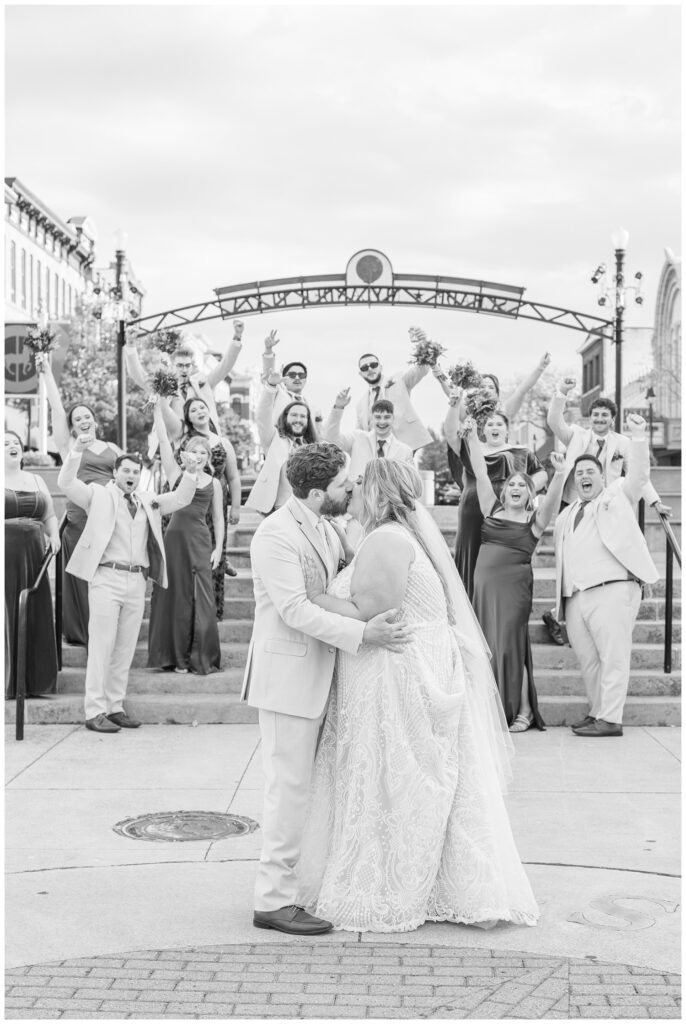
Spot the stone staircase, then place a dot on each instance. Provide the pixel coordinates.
(169, 698)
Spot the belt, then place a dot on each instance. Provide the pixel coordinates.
(125, 567)
(606, 583)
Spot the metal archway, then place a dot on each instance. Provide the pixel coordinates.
(369, 280)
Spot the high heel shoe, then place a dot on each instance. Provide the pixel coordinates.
(521, 723)
(230, 570)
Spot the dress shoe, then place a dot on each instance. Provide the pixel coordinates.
(123, 720)
(582, 722)
(101, 723)
(292, 920)
(230, 569)
(599, 728)
(554, 629)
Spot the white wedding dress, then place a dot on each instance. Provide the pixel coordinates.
(407, 822)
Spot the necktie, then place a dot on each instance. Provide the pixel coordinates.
(579, 515)
(131, 503)
(184, 391)
(327, 548)
(380, 452)
(376, 391)
(601, 445)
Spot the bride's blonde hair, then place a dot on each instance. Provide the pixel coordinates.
(390, 490)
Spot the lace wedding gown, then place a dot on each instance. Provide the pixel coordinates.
(407, 822)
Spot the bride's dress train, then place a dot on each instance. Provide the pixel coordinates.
(407, 822)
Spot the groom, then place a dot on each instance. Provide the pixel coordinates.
(295, 554)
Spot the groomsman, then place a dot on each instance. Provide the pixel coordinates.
(601, 558)
(121, 545)
(292, 383)
(365, 445)
(407, 425)
(191, 383)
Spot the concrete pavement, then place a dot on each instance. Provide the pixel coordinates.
(98, 924)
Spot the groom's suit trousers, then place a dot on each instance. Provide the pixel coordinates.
(289, 745)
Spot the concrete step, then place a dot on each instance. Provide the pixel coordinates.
(638, 711)
(206, 709)
(153, 681)
(642, 683)
(151, 709)
(233, 656)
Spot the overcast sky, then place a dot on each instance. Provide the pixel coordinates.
(236, 144)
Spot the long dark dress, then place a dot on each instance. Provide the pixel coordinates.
(24, 550)
(183, 623)
(95, 468)
(218, 574)
(469, 519)
(503, 593)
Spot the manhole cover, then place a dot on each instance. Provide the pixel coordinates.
(184, 826)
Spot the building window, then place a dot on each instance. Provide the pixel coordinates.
(47, 292)
(64, 298)
(32, 308)
(39, 287)
(57, 295)
(13, 272)
(22, 268)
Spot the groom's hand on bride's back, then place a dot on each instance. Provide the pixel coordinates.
(381, 631)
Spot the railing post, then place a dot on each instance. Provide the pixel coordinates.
(669, 585)
(58, 607)
(22, 638)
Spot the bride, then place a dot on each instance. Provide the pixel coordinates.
(407, 822)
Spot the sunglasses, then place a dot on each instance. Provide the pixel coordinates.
(368, 366)
(295, 375)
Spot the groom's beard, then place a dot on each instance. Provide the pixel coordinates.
(334, 508)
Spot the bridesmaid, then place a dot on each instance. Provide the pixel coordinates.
(503, 578)
(29, 516)
(97, 466)
(502, 459)
(183, 624)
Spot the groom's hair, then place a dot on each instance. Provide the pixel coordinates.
(313, 467)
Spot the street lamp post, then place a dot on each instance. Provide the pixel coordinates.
(650, 400)
(617, 295)
(120, 287)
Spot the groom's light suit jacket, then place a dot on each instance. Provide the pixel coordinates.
(293, 645)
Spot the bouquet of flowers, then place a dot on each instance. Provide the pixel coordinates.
(463, 375)
(40, 341)
(163, 384)
(481, 406)
(426, 352)
(166, 340)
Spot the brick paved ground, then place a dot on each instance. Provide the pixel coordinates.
(341, 980)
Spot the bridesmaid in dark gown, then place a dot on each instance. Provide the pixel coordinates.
(183, 623)
(97, 465)
(502, 459)
(503, 579)
(28, 512)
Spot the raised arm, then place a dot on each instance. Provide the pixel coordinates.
(413, 374)
(452, 425)
(76, 489)
(218, 523)
(171, 468)
(484, 488)
(442, 378)
(229, 359)
(556, 420)
(549, 505)
(513, 402)
(134, 367)
(638, 471)
(264, 414)
(183, 495)
(331, 430)
(60, 427)
(268, 357)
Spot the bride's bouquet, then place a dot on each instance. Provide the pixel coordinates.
(426, 352)
(40, 341)
(166, 341)
(480, 406)
(163, 384)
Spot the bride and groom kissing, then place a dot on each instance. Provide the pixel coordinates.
(384, 745)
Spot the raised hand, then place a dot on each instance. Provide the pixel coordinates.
(270, 341)
(274, 378)
(81, 442)
(342, 398)
(238, 326)
(557, 461)
(544, 361)
(636, 425)
(191, 461)
(567, 385)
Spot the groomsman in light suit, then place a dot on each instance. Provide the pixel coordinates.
(295, 554)
(121, 546)
(407, 426)
(291, 386)
(602, 558)
(365, 445)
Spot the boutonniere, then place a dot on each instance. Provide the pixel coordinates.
(389, 384)
(617, 457)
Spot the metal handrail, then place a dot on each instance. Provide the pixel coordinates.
(672, 551)
(23, 638)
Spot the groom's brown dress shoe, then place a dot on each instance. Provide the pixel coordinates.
(600, 728)
(582, 723)
(292, 920)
